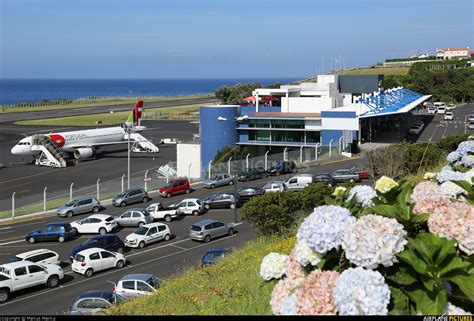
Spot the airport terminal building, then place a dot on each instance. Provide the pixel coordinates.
(332, 112)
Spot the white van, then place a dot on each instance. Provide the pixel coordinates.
(299, 182)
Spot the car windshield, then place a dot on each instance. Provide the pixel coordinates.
(154, 282)
(216, 178)
(15, 259)
(122, 194)
(211, 257)
(117, 298)
(79, 258)
(108, 219)
(195, 228)
(198, 201)
(145, 213)
(141, 230)
(71, 203)
(89, 243)
(266, 186)
(168, 185)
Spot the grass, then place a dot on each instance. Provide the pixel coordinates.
(232, 286)
(105, 102)
(107, 119)
(372, 71)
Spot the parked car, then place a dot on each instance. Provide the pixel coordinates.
(274, 186)
(324, 178)
(175, 187)
(51, 232)
(470, 118)
(298, 182)
(448, 115)
(450, 106)
(471, 125)
(251, 174)
(134, 217)
(212, 255)
(441, 110)
(415, 129)
(363, 174)
(345, 175)
(96, 223)
(79, 205)
(159, 212)
(222, 200)
(248, 192)
(148, 234)
(40, 256)
(25, 274)
(219, 180)
(282, 167)
(432, 110)
(92, 302)
(131, 196)
(95, 259)
(132, 286)
(208, 229)
(419, 123)
(189, 206)
(109, 242)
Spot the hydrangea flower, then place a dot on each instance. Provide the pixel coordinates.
(429, 206)
(426, 191)
(454, 221)
(283, 289)
(288, 306)
(429, 176)
(453, 157)
(447, 174)
(451, 309)
(293, 270)
(363, 194)
(468, 161)
(315, 296)
(361, 292)
(339, 191)
(323, 229)
(305, 255)
(374, 240)
(468, 176)
(273, 266)
(385, 184)
(451, 190)
(465, 148)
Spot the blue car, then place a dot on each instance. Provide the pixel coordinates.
(110, 242)
(212, 255)
(51, 232)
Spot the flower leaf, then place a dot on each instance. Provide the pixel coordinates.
(430, 303)
(414, 261)
(465, 284)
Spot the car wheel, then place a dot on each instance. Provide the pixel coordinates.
(213, 186)
(207, 239)
(52, 282)
(145, 199)
(119, 265)
(168, 195)
(167, 237)
(188, 191)
(120, 250)
(168, 218)
(31, 240)
(141, 224)
(122, 204)
(4, 295)
(88, 273)
(102, 231)
(230, 232)
(195, 213)
(95, 209)
(141, 245)
(69, 214)
(232, 206)
(352, 180)
(61, 239)
(231, 182)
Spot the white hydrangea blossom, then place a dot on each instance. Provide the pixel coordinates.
(429, 176)
(453, 157)
(305, 255)
(451, 309)
(447, 174)
(363, 195)
(468, 161)
(451, 190)
(273, 266)
(374, 240)
(324, 228)
(361, 292)
(468, 176)
(288, 306)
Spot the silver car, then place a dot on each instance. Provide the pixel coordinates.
(219, 180)
(130, 196)
(208, 229)
(79, 205)
(135, 217)
(135, 285)
(92, 302)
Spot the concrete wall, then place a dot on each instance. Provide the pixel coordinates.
(306, 104)
(188, 154)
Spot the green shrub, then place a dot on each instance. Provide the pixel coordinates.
(430, 155)
(450, 143)
(313, 195)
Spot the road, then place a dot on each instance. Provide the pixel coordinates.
(13, 117)
(163, 259)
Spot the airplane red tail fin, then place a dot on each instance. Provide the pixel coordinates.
(137, 112)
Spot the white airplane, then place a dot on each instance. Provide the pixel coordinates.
(84, 143)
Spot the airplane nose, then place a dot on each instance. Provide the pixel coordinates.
(15, 150)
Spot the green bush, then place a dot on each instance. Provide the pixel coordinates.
(450, 143)
(313, 195)
(430, 154)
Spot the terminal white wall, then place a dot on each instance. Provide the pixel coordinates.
(340, 123)
(187, 154)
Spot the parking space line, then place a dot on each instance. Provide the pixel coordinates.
(179, 247)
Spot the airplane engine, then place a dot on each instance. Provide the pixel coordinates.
(81, 153)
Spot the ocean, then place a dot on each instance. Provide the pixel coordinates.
(14, 91)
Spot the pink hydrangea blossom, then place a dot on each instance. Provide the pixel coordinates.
(426, 191)
(428, 206)
(314, 297)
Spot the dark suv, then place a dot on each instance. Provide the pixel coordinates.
(110, 242)
(282, 167)
(221, 200)
(252, 173)
(51, 232)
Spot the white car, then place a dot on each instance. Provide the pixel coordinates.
(441, 110)
(159, 212)
(40, 256)
(448, 115)
(274, 186)
(419, 123)
(470, 118)
(148, 234)
(25, 274)
(471, 125)
(431, 110)
(135, 285)
(450, 107)
(189, 206)
(415, 129)
(95, 259)
(97, 223)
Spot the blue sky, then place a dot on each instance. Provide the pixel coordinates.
(219, 38)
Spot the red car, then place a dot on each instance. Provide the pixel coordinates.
(175, 187)
(363, 174)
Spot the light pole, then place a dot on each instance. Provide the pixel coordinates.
(128, 158)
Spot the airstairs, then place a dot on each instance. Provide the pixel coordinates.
(51, 154)
(141, 144)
